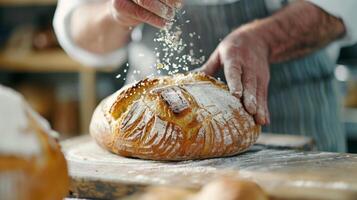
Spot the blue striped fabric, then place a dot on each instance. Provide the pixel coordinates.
(304, 100)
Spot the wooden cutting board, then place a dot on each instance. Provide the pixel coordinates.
(284, 174)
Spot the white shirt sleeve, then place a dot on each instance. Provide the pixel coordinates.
(61, 24)
(345, 10)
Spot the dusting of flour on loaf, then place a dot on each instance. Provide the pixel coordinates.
(16, 137)
(157, 132)
(157, 126)
(9, 184)
(222, 111)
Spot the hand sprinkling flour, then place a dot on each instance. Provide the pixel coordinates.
(174, 54)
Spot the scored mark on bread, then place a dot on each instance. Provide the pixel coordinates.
(174, 98)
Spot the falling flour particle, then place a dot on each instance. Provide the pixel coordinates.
(125, 70)
(172, 55)
(159, 66)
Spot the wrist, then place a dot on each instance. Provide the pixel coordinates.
(295, 31)
(254, 32)
(93, 29)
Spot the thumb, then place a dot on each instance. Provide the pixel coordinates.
(212, 65)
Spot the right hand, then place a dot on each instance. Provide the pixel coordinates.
(244, 56)
(157, 13)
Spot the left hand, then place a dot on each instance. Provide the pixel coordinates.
(244, 57)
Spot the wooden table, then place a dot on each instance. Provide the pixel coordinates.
(284, 174)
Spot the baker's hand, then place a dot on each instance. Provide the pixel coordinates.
(244, 57)
(154, 12)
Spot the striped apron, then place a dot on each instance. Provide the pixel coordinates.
(303, 99)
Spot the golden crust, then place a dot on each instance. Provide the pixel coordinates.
(174, 118)
(41, 177)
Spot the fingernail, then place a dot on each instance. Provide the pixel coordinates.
(236, 93)
(167, 13)
(168, 25)
(267, 118)
(235, 90)
(170, 14)
(250, 101)
(261, 116)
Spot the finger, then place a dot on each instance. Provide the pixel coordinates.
(212, 65)
(173, 3)
(249, 81)
(267, 119)
(126, 21)
(262, 103)
(128, 9)
(233, 74)
(267, 113)
(157, 7)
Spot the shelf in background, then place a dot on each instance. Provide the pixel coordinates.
(27, 2)
(44, 61)
(57, 60)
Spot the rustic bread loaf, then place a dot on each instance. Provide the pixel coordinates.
(32, 166)
(231, 189)
(174, 118)
(220, 189)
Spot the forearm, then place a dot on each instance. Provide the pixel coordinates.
(297, 30)
(94, 28)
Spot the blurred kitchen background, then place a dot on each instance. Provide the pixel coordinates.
(65, 92)
(31, 62)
